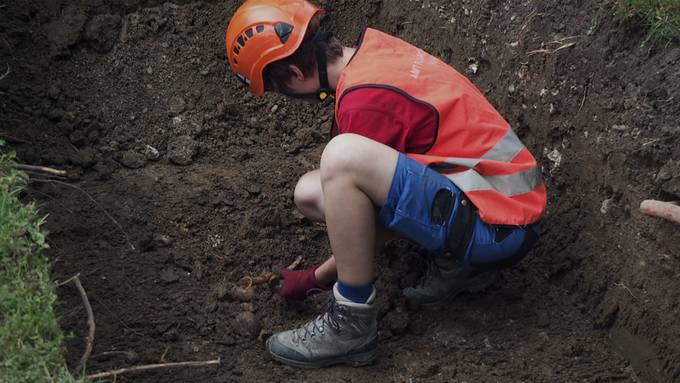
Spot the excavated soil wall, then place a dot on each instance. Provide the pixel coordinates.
(134, 99)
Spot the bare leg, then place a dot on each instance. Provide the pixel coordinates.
(356, 174)
(309, 199)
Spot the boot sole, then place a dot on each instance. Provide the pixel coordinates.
(354, 360)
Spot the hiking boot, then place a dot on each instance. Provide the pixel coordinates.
(444, 279)
(345, 333)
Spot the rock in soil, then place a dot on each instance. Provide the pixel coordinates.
(132, 160)
(102, 32)
(181, 151)
(247, 324)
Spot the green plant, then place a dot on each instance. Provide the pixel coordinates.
(30, 338)
(662, 17)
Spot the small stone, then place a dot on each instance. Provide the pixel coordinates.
(151, 153)
(246, 324)
(181, 151)
(176, 105)
(511, 89)
(161, 241)
(149, 70)
(132, 160)
(275, 108)
(619, 128)
(254, 189)
(169, 275)
(606, 205)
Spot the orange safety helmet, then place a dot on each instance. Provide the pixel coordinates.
(264, 31)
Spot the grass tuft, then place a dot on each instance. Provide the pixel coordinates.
(30, 338)
(662, 17)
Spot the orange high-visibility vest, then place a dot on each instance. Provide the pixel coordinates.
(473, 145)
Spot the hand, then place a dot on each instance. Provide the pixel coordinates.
(298, 285)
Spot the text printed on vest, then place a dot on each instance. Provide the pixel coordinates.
(417, 66)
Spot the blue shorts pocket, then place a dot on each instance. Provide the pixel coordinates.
(495, 247)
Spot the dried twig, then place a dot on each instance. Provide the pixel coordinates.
(528, 20)
(120, 371)
(127, 238)
(90, 321)
(551, 51)
(621, 285)
(585, 94)
(9, 70)
(162, 360)
(268, 276)
(40, 169)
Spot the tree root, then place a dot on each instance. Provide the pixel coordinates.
(121, 371)
(90, 322)
(267, 277)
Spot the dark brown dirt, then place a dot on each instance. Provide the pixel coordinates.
(134, 99)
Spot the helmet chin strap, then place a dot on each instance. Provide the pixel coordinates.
(325, 94)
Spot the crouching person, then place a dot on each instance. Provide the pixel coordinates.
(416, 151)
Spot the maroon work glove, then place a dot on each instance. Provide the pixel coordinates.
(298, 285)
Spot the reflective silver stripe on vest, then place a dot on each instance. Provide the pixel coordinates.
(504, 151)
(511, 185)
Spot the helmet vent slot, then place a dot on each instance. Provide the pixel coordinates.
(249, 33)
(283, 30)
(260, 28)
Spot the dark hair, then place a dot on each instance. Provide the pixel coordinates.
(278, 74)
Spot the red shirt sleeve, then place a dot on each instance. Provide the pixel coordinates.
(388, 117)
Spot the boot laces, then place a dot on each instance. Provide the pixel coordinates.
(330, 318)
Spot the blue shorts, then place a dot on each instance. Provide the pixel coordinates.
(429, 209)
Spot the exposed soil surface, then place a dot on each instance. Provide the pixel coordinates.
(133, 98)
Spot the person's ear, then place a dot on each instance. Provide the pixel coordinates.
(297, 73)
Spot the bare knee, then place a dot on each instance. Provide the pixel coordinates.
(342, 156)
(308, 196)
